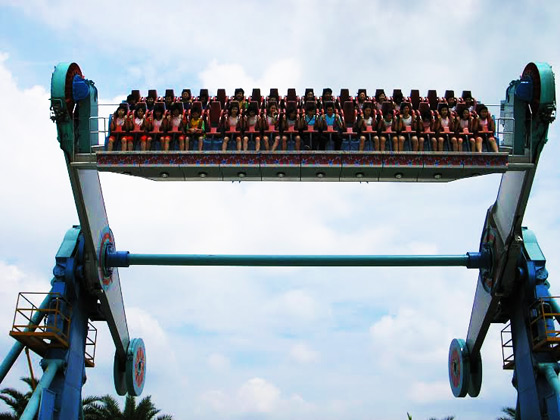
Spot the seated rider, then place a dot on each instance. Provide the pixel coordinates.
(309, 126)
(387, 127)
(157, 125)
(140, 127)
(175, 126)
(251, 127)
(484, 128)
(445, 130)
(290, 128)
(426, 126)
(331, 126)
(232, 125)
(195, 127)
(271, 126)
(407, 127)
(464, 128)
(120, 124)
(366, 125)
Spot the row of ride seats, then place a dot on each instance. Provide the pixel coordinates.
(291, 97)
(215, 109)
(215, 117)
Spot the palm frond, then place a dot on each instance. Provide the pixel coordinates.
(14, 399)
(146, 408)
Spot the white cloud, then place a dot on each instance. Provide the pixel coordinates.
(299, 305)
(338, 47)
(255, 397)
(430, 392)
(218, 362)
(303, 354)
(217, 401)
(258, 396)
(409, 337)
(281, 74)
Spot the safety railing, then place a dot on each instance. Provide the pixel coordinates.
(52, 331)
(91, 342)
(99, 125)
(505, 125)
(545, 328)
(504, 134)
(508, 361)
(545, 331)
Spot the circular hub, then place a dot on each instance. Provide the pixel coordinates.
(135, 367)
(532, 71)
(459, 369)
(106, 243)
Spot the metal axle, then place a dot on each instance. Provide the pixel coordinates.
(469, 260)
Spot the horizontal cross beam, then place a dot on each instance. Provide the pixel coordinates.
(469, 260)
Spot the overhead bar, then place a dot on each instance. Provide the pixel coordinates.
(469, 260)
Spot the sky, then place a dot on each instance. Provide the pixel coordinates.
(274, 343)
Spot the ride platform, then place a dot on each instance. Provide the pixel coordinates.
(300, 166)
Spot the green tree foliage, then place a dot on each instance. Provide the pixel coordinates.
(509, 414)
(433, 418)
(16, 400)
(107, 408)
(94, 408)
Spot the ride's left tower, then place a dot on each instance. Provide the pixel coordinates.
(83, 290)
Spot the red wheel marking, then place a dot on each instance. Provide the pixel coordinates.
(140, 367)
(455, 375)
(107, 281)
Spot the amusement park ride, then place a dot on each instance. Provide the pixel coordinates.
(512, 285)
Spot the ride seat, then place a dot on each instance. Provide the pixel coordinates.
(344, 96)
(415, 98)
(135, 93)
(349, 117)
(398, 96)
(256, 96)
(170, 92)
(221, 97)
(214, 117)
(274, 93)
(292, 95)
(432, 99)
